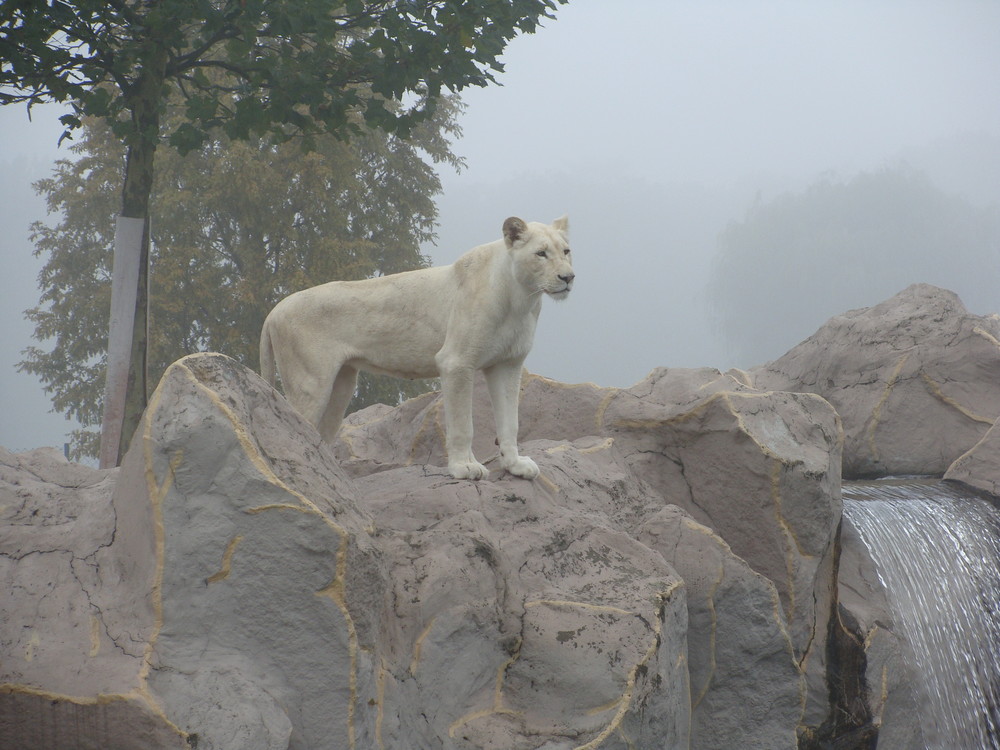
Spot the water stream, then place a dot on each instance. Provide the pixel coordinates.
(937, 553)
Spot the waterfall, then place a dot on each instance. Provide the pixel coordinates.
(937, 554)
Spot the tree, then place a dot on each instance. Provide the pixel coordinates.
(801, 258)
(240, 225)
(278, 68)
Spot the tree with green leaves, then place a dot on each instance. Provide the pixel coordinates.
(280, 69)
(240, 224)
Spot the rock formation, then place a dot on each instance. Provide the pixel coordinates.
(669, 581)
(915, 379)
(241, 586)
(979, 467)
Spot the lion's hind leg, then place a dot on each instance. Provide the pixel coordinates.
(307, 381)
(340, 396)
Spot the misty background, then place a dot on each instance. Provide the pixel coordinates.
(712, 158)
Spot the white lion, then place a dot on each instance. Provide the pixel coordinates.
(477, 314)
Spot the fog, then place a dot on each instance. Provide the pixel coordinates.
(653, 125)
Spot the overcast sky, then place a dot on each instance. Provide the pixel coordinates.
(651, 123)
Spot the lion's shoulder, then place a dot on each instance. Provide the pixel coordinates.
(475, 263)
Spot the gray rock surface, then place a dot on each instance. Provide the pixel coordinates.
(234, 593)
(522, 618)
(915, 379)
(979, 467)
(69, 676)
(732, 612)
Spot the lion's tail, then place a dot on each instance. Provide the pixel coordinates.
(267, 368)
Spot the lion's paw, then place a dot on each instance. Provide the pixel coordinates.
(523, 467)
(468, 470)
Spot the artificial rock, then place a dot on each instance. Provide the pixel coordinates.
(979, 467)
(915, 379)
(238, 589)
(670, 580)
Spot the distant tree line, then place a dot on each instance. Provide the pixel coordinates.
(801, 258)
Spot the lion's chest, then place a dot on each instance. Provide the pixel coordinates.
(510, 339)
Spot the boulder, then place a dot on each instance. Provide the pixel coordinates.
(232, 599)
(379, 438)
(732, 612)
(915, 379)
(760, 469)
(669, 580)
(979, 467)
(69, 677)
(522, 617)
(234, 592)
(268, 588)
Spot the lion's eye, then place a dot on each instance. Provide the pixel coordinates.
(542, 254)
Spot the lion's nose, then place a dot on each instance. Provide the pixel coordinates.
(567, 277)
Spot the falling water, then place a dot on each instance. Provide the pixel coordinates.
(937, 553)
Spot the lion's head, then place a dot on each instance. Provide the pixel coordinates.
(542, 259)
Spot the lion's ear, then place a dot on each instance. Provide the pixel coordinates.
(562, 224)
(513, 230)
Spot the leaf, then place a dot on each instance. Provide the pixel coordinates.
(187, 138)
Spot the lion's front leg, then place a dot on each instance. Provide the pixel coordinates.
(456, 384)
(504, 381)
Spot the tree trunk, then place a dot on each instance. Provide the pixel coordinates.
(125, 277)
(125, 392)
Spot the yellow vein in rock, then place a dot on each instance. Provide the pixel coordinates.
(935, 389)
(227, 561)
(157, 493)
(980, 331)
(603, 407)
(418, 645)
(603, 445)
(498, 707)
(790, 540)
(877, 411)
(336, 590)
(710, 600)
(549, 484)
(563, 447)
(626, 699)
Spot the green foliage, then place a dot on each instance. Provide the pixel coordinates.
(285, 67)
(239, 226)
(802, 258)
